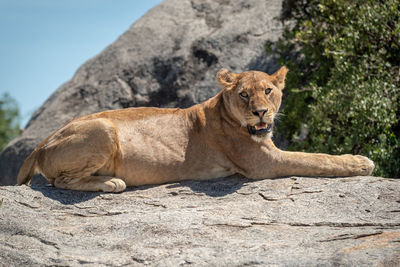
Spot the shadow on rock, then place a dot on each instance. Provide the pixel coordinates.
(216, 187)
(66, 197)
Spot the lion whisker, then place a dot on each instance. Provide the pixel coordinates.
(278, 116)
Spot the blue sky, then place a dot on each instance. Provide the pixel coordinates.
(43, 42)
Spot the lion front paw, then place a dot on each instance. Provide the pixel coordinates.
(364, 166)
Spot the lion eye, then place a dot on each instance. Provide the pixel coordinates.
(244, 95)
(268, 91)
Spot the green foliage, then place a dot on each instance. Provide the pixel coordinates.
(344, 84)
(9, 115)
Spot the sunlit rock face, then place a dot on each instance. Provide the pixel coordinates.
(224, 222)
(168, 58)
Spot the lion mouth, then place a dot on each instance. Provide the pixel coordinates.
(260, 129)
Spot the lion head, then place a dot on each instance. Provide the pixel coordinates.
(253, 98)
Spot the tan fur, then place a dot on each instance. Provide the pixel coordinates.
(110, 150)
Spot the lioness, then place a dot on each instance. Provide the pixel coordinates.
(227, 134)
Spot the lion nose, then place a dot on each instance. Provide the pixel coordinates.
(260, 113)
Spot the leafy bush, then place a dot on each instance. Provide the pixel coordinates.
(343, 91)
(9, 127)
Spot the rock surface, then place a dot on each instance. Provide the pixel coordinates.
(169, 58)
(224, 222)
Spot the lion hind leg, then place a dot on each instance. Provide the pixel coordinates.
(91, 183)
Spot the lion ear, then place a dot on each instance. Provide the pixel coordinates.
(226, 78)
(279, 77)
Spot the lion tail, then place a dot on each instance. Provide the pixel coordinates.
(28, 169)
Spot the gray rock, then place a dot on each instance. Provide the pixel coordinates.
(226, 222)
(169, 58)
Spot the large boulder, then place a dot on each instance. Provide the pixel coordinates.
(226, 222)
(168, 58)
